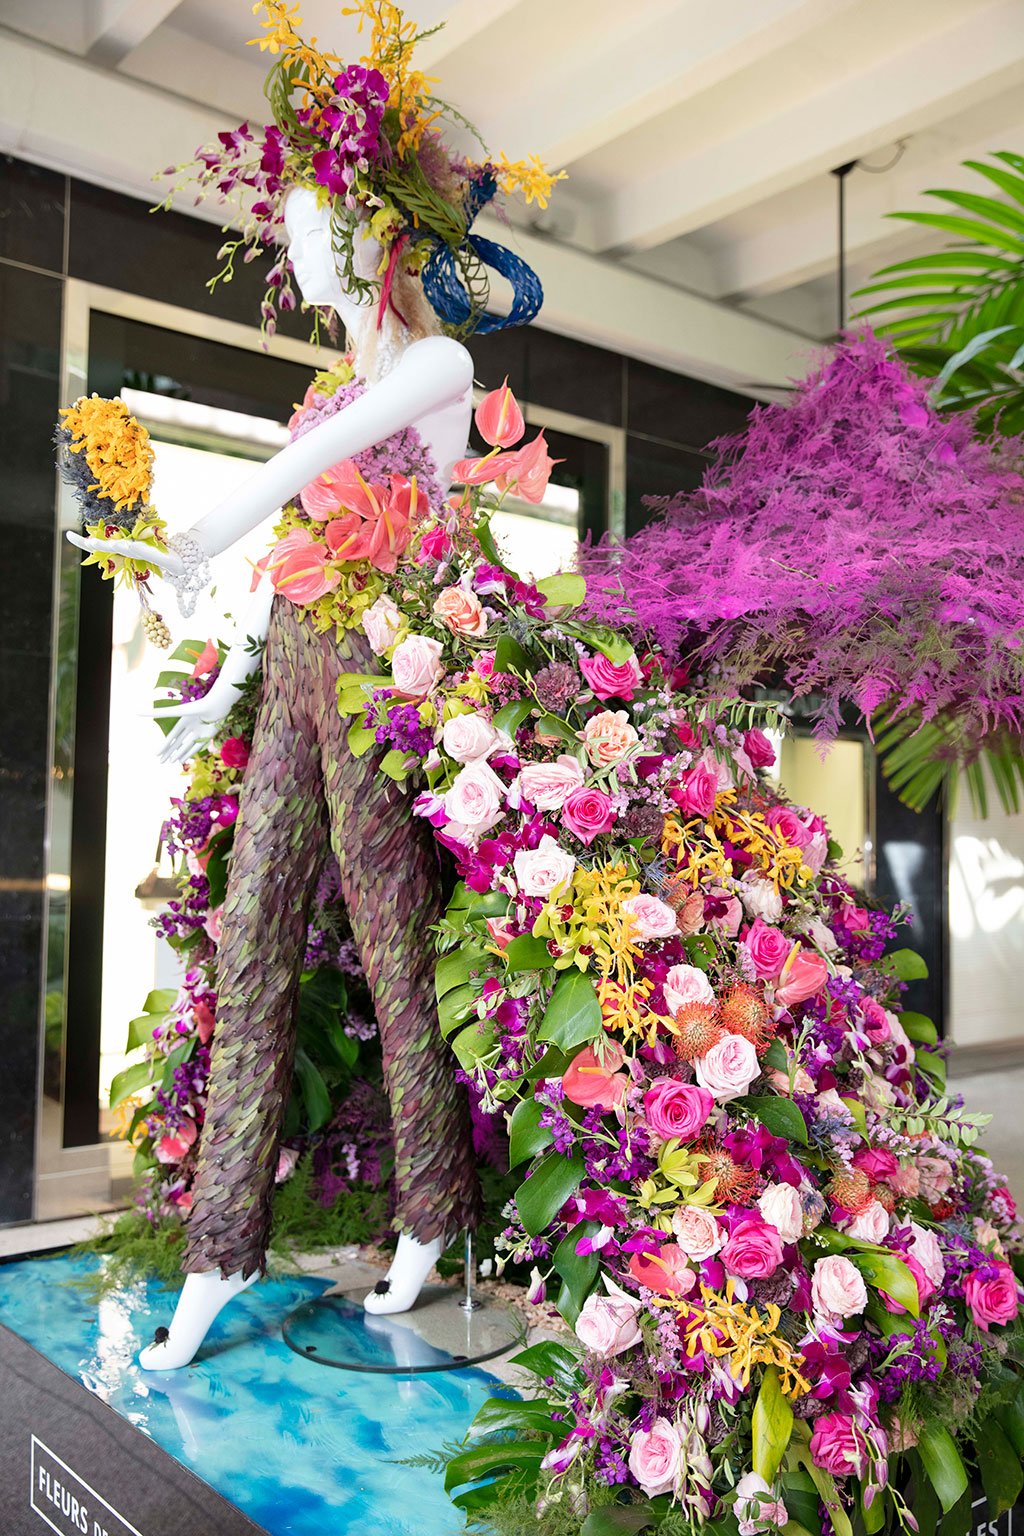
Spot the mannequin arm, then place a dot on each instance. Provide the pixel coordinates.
(433, 373)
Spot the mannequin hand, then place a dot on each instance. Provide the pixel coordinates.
(133, 549)
(197, 721)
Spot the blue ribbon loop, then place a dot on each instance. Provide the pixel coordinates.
(446, 291)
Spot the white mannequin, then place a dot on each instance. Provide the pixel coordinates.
(429, 388)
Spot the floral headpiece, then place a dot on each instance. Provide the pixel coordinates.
(364, 137)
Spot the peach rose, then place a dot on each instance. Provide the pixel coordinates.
(608, 736)
(697, 1232)
(416, 665)
(462, 611)
(652, 919)
(546, 785)
(837, 1287)
(608, 1324)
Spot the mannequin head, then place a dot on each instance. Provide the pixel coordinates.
(311, 253)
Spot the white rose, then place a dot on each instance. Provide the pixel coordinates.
(869, 1225)
(608, 1324)
(926, 1250)
(780, 1206)
(687, 984)
(760, 898)
(697, 1232)
(837, 1287)
(382, 623)
(476, 799)
(543, 869)
(416, 665)
(469, 737)
(728, 1069)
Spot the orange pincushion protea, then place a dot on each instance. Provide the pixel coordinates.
(697, 1030)
(734, 1185)
(851, 1189)
(743, 1011)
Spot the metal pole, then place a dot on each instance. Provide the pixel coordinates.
(840, 173)
(469, 1303)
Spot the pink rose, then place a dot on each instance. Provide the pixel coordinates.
(768, 949)
(543, 869)
(877, 1162)
(212, 923)
(287, 1159)
(906, 1182)
(655, 1457)
(381, 623)
(936, 1176)
(652, 919)
(677, 1109)
(697, 791)
(469, 737)
(925, 1288)
(608, 736)
(788, 827)
(992, 1297)
(476, 799)
(434, 544)
(593, 1083)
(610, 680)
(234, 753)
(300, 567)
(416, 665)
(837, 1287)
(697, 1232)
(837, 1446)
(172, 1146)
(803, 976)
(461, 611)
(686, 984)
(754, 1249)
(547, 785)
(608, 1324)
(780, 1206)
(663, 1270)
(729, 1068)
(755, 1508)
(869, 1225)
(759, 749)
(588, 812)
(876, 1021)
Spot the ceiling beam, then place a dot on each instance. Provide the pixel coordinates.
(465, 20)
(115, 28)
(611, 82)
(940, 73)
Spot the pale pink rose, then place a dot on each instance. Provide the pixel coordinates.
(543, 869)
(820, 935)
(416, 665)
(760, 898)
(212, 923)
(838, 1446)
(803, 975)
(382, 623)
(936, 1176)
(608, 1324)
(652, 919)
(906, 1182)
(780, 1206)
(677, 1109)
(837, 1287)
(469, 737)
(754, 1249)
(768, 949)
(755, 1509)
(611, 680)
(992, 1297)
(869, 1225)
(697, 1232)
(476, 799)
(928, 1253)
(172, 1147)
(287, 1158)
(987, 1237)
(816, 852)
(462, 611)
(728, 917)
(728, 1069)
(687, 984)
(655, 1457)
(546, 785)
(608, 736)
(588, 812)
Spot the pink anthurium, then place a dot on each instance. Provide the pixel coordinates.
(499, 419)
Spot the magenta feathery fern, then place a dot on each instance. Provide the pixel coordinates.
(853, 540)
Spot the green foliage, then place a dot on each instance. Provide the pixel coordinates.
(541, 1196)
(957, 315)
(771, 1427)
(573, 1016)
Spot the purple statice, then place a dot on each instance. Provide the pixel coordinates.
(400, 727)
(403, 453)
(855, 539)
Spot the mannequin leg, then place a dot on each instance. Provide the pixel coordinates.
(278, 847)
(391, 884)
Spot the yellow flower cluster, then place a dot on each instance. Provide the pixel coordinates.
(314, 71)
(740, 1335)
(116, 447)
(530, 177)
(590, 925)
(699, 846)
(392, 41)
(625, 1010)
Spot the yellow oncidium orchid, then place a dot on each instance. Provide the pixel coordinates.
(699, 846)
(625, 1011)
(740, 1334)
(530, 177)
(122, 1118)
(597, 922)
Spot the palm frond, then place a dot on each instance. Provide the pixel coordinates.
(919, 761)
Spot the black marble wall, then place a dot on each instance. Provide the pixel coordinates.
(52, 228)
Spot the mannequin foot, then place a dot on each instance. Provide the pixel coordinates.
(202, 1298)
(412, 1263)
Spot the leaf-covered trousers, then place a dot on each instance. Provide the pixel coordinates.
(302, 786)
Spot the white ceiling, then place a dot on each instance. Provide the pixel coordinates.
(698, 134)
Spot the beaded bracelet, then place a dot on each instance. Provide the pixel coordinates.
(196, 574)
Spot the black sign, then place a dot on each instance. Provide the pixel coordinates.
(69, 1505)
